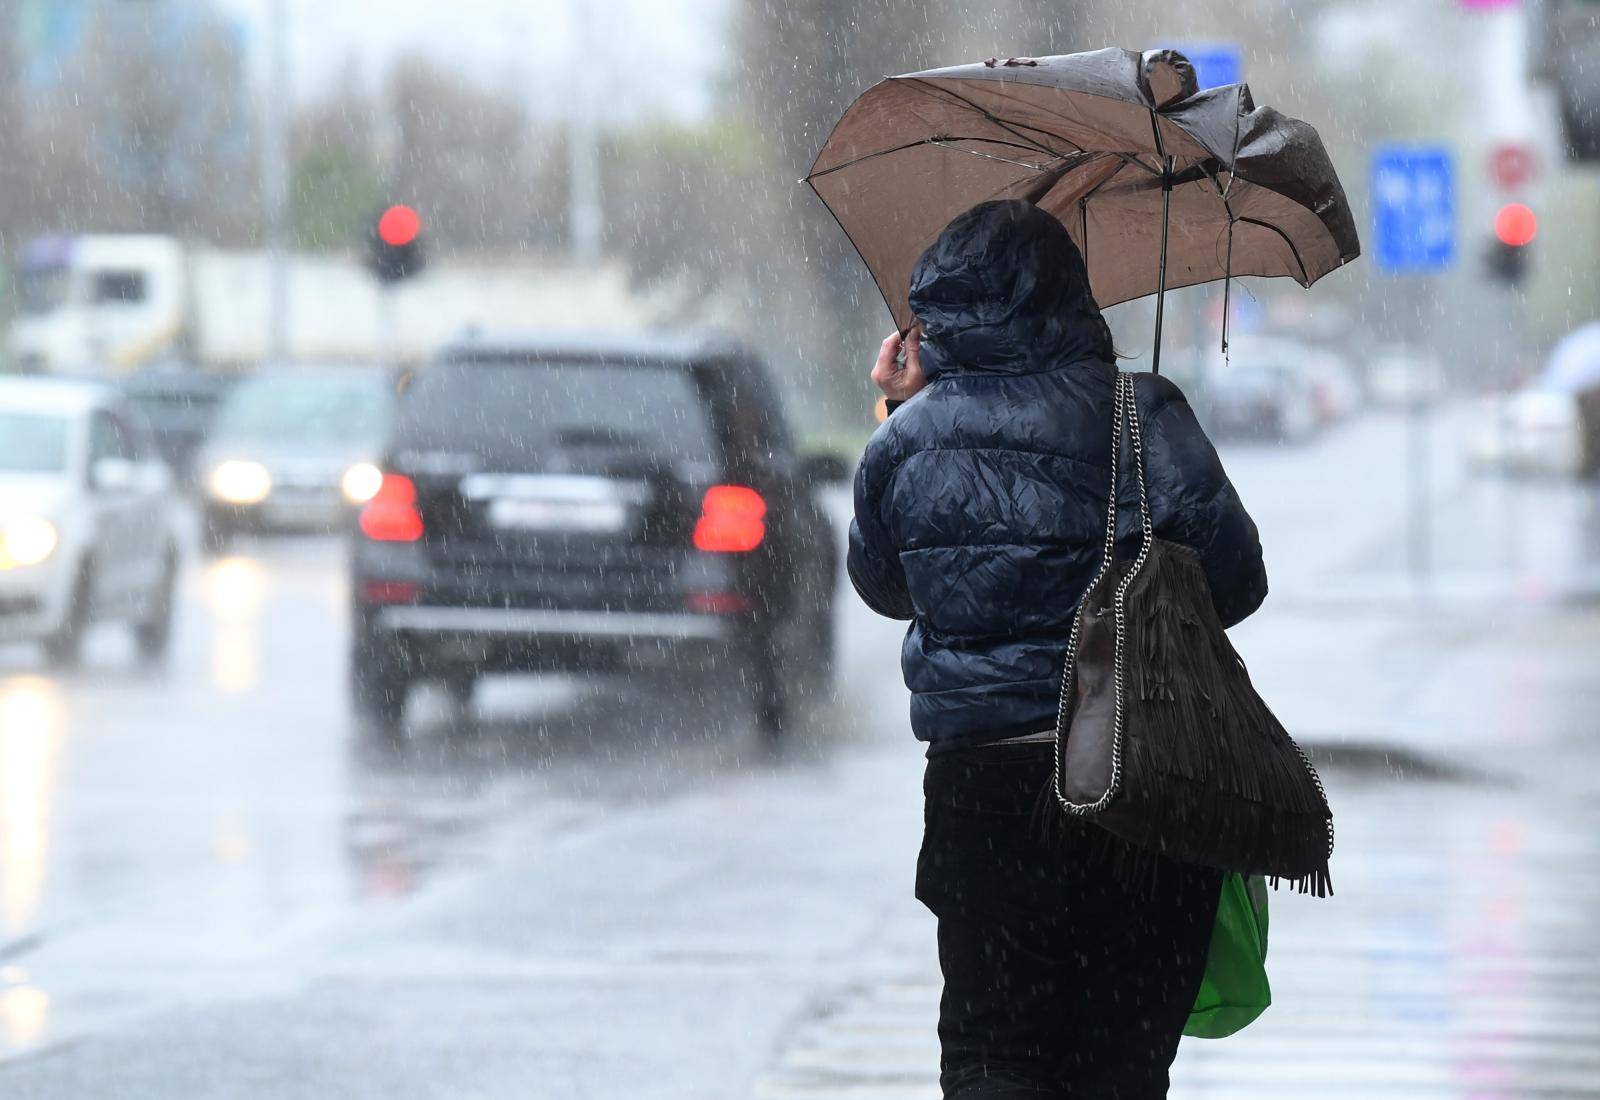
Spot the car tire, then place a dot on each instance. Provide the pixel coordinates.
(824, 654)
(153, 635)
(64, 646)
(460, 686)
(380, 679)
(770, 694)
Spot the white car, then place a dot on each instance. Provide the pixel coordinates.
(1535, 431)
(295, 448)
(87, 526)
(1399, 377)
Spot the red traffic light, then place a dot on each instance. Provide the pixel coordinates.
(399, 226)
(1515, 224)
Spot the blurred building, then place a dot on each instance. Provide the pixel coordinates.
(49, 32)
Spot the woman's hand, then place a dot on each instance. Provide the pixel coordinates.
(899, 381)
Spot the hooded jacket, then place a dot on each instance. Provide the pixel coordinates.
(980, 503)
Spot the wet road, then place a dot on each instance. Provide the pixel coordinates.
(210, 884)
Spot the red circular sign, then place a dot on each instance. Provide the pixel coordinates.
(1512, 166)
(399, 226)
(1515, 224)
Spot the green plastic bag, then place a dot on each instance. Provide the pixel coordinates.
(1234, 990)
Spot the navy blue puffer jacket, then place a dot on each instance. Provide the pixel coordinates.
(980, 503)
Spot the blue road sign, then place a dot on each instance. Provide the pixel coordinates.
(1413, 208)
(1215, 63)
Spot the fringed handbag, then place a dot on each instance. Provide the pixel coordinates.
(1160, 737)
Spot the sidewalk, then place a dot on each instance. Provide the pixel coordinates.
(1457, 958)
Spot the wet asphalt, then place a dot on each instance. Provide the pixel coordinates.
(213, 884)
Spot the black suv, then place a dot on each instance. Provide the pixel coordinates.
(593, 504)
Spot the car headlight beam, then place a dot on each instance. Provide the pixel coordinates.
(360, 482)
(26, 540)
(240, 482)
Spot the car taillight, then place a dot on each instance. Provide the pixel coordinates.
(389, 591)
(391, 515)
(716, 603)
(732, 518)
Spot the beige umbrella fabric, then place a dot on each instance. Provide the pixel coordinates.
(1090, 137)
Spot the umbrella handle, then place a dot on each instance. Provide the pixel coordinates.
(1161, 278)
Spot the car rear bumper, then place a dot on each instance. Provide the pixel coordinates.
(532, 623)
(506, 639)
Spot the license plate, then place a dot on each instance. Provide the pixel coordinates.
(290, 508)
(599, 517)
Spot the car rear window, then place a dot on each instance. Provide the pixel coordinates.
(511, 413)
(307, 408)
(32, 443)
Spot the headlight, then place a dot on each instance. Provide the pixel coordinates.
(240, 482)
(360, 482)
(26, 540)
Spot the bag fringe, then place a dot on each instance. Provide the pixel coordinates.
(1209, 775)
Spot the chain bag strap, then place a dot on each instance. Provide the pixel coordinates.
(1124, 411)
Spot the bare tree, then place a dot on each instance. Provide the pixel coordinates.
(14, 168)
(471, 160)
(801, 64)
(149, 128)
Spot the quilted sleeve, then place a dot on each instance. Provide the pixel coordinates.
(1193, 502)
(874, 560)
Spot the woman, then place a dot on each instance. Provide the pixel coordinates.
(980, 509)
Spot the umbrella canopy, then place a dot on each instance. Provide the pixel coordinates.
(1111, 142)
(1574, 363)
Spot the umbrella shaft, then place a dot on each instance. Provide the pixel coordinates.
(1161, 277)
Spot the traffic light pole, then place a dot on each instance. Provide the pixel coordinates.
(1419, 466)
(388, 322)
(1418, 445)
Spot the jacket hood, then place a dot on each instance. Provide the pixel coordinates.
(1004, 289)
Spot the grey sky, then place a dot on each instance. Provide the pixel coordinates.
(663, 53)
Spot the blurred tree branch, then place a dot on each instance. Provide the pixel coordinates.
(122, 140)
(471, 160)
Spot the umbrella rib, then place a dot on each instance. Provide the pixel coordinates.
(1293, 251)
(1009, 127)
(1089, 194)
(944, 143)
(1130, 158)
(944, 140)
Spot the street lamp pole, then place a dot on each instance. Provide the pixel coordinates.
(275, 178)
(583, 196)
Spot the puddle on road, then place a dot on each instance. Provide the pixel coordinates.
(1387, 760)
(31, 717)
(575, 749)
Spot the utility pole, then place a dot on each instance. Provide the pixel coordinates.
(583, 155)
(275, 178)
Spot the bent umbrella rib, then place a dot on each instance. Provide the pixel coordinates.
(945, 141)
(1305, 277)
(1013, 128)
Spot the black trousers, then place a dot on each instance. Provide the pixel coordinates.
(1060, 980)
